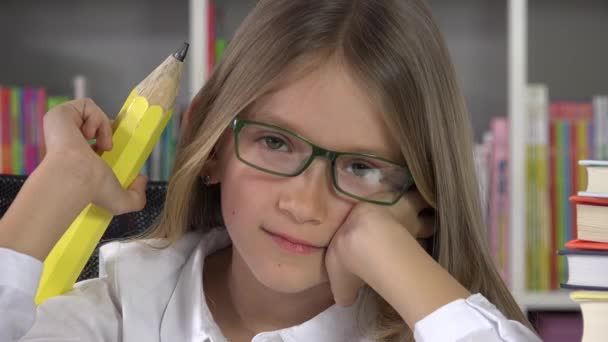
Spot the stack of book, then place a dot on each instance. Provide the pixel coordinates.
(587, 255)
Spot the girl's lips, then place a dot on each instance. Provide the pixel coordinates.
(293, 245)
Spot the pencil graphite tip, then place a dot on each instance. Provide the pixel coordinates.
(181, 53)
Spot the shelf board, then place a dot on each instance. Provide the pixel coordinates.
(555, 300)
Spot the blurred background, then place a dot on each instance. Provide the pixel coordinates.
(534, 74)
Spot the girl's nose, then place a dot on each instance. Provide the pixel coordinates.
(304, 197)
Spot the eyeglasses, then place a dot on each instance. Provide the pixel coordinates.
(280, 152)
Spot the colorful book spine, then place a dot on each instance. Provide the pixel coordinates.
(553, 204)
(220, 47)
(1, 128)
(41, 105)
(16, 124)
(571, 125)
(210, 36)
(28, 130)
(6, 113)
(168, 147)
(537, 189)
(499, 201)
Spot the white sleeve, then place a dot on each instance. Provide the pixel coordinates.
(471, 319)
(87, 313)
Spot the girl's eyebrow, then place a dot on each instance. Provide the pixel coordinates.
(269, 117)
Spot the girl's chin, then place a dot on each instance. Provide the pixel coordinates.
(280, 279)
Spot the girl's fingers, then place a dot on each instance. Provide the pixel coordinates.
(134, 197)
(96, 125)
(104, 136)
(344, 285)
(120, 201)
(91, 126)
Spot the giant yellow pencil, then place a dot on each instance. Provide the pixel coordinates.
(137, 128)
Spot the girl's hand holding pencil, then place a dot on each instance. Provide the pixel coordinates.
(67, 128)
(71, 175)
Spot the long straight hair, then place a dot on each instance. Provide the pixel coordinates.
(395, 50)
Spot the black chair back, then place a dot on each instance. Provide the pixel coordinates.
(121, 227)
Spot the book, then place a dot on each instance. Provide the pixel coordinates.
(591, 218)
(571, 131)
(538, 234)
(597, 178)
(586, 269)
(594, 307)
(557, 326)
(7, 129)
(498, 233)
(581, 244)
(16, 125)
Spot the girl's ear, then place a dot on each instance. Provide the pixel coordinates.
(214, 167)
(428, 222)
(210, 174)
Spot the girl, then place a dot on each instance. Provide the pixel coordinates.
(323, 190)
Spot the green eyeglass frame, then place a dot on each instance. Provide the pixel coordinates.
(317, 151)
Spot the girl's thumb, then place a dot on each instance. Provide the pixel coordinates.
(134, 198)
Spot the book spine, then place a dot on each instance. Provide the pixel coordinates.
(16, 142)
(210, 36)
(566, 189)
(500, 200)
(560, 183)
(602, 129)
(41, 100)
(29, 102)
(536, 247)
(7, 154)
(542, 190)
(155, 163)
(553, 219)
(1, 129)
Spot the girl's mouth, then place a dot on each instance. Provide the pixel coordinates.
(292, 244)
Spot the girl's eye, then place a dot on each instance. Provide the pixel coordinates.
(274, 143)
(363, 170)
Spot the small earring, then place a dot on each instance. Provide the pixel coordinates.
(207, 180)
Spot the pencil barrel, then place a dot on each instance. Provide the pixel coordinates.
(137, 129)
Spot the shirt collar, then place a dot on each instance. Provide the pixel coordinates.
(188, 314)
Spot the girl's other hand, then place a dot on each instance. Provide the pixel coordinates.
(371, 234)
(67, 129)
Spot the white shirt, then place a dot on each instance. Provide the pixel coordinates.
(146, 294)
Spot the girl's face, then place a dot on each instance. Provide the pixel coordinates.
(328, 108)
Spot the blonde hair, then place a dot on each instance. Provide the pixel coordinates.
(394, 48)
